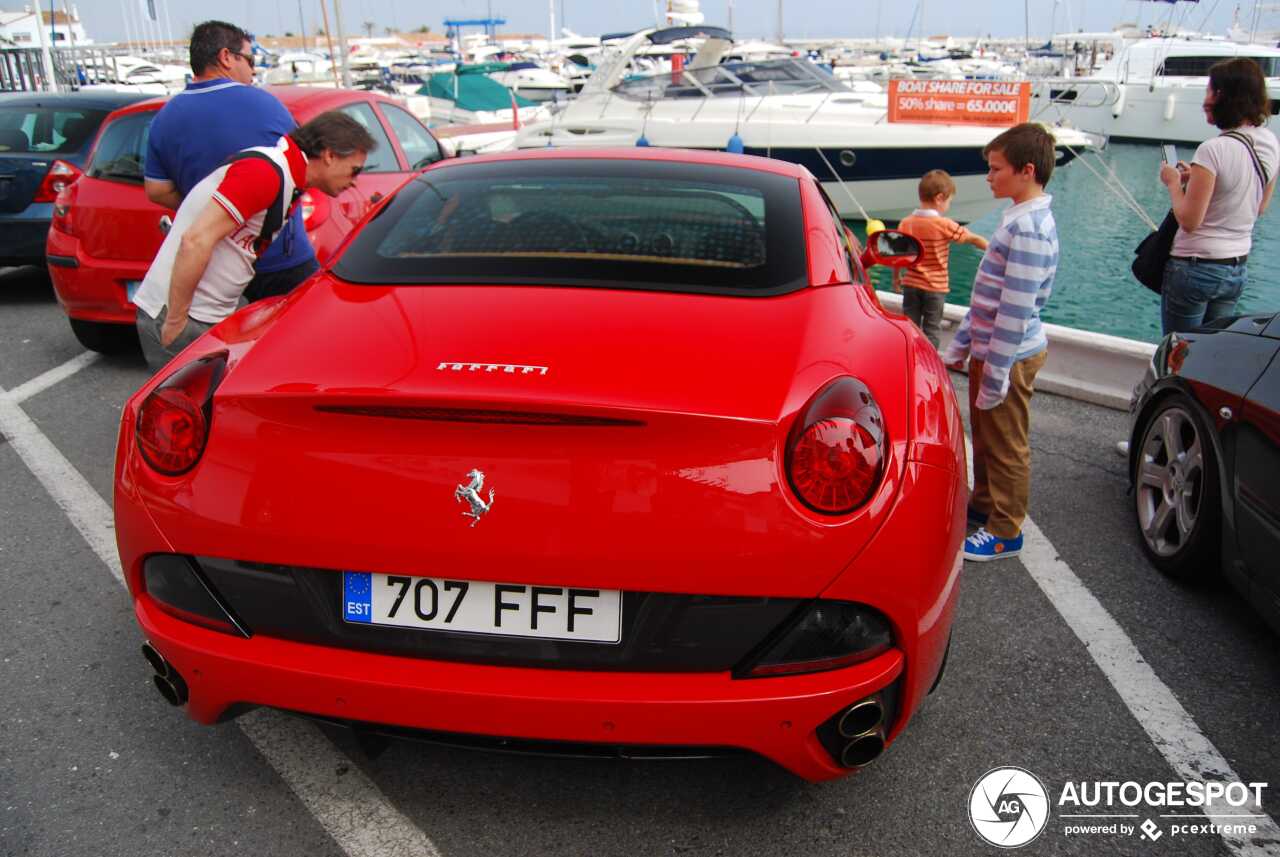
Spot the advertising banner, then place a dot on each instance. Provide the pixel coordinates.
(959, 102)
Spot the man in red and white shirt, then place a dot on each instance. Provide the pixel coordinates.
(229, 219)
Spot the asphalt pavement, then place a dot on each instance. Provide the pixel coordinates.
(93, 762)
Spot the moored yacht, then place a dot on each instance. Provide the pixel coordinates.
(784, 108)
(1151, 90)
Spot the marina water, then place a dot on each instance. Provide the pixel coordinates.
(1094, 289)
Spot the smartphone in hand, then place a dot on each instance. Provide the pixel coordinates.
(1170, 154)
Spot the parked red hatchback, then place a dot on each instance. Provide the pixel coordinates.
(584, 451)
(105, 231)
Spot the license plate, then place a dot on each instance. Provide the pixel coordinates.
(482, 607)
(131, 288)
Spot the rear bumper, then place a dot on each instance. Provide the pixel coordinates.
(90, 289)
(22, 235)
(776, 718)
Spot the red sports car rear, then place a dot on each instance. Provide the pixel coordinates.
(595, 452)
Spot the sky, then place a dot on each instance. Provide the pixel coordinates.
(105, 19)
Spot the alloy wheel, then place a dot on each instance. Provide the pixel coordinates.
(1170, 483)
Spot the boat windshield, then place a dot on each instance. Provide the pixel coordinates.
(733, 80)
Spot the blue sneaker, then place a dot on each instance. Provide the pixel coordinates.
(984, 547)
(976, 517)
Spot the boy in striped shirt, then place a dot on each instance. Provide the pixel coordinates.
(1003, 338)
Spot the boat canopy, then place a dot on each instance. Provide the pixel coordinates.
(679, 34)
(788, 76)
(471, 89)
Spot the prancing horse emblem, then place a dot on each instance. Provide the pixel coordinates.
(471, 493)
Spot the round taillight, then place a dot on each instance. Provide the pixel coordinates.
(173, 421)
(836, 451)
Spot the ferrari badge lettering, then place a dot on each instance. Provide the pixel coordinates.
(506, 368)
(471, 494)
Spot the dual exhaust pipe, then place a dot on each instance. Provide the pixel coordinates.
(863, 725)
(167, 679)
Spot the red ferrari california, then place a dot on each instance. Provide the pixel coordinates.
(600, 452)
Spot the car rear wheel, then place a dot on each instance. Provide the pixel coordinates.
(1176, 492)
(105, 338)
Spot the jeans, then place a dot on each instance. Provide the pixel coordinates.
(924, 308)
(149, 335)
(1195, 293)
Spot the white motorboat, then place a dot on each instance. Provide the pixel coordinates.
(532, 81)
(134, 74)
(300, 67)
(785, 108)
(1151, 90)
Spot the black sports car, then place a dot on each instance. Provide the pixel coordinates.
(1204, 457)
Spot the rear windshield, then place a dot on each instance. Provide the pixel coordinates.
(46, 129)
(589, 222)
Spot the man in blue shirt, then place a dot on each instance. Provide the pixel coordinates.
(218, 114)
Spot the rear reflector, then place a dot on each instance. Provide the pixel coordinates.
(180, 590)
(476, 415)
(826, 635)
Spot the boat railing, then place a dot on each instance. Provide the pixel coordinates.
(1074, 92)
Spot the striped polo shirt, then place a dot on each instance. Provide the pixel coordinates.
(1013, 282)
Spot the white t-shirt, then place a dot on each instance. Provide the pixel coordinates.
(1227, 229)
(231, 264)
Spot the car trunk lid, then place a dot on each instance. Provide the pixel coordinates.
(631, 440)
(115, 220)
(20, 178)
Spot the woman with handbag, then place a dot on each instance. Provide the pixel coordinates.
(1217, 199)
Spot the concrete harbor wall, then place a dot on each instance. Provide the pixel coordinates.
(1091, 367)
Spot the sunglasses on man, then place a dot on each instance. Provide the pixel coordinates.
(246, 57)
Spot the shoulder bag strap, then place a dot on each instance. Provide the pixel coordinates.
(276, 213)
(1253, 153)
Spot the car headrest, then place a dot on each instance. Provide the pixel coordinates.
(13, 140)
(76, 130)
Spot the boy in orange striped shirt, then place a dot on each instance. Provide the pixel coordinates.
(924, 287)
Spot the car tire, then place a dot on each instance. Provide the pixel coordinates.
(105, 338)
(1177, 505)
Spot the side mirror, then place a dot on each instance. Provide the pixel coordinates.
(448, 149)
(892, 248)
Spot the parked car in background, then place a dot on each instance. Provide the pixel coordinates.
(588, 451)
(1204, 456)
(44, 143)
(106, 232)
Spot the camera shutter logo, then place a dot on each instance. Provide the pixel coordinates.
(1008, 807)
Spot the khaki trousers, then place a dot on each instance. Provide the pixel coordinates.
(1002, 448)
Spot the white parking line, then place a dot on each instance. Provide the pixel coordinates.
(73, 494)
(1170, 727)
(343, 800)
(40, 383)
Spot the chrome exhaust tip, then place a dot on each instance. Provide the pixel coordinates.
(154, 658)
(861, 718)
(167, 679)
(863, 751)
